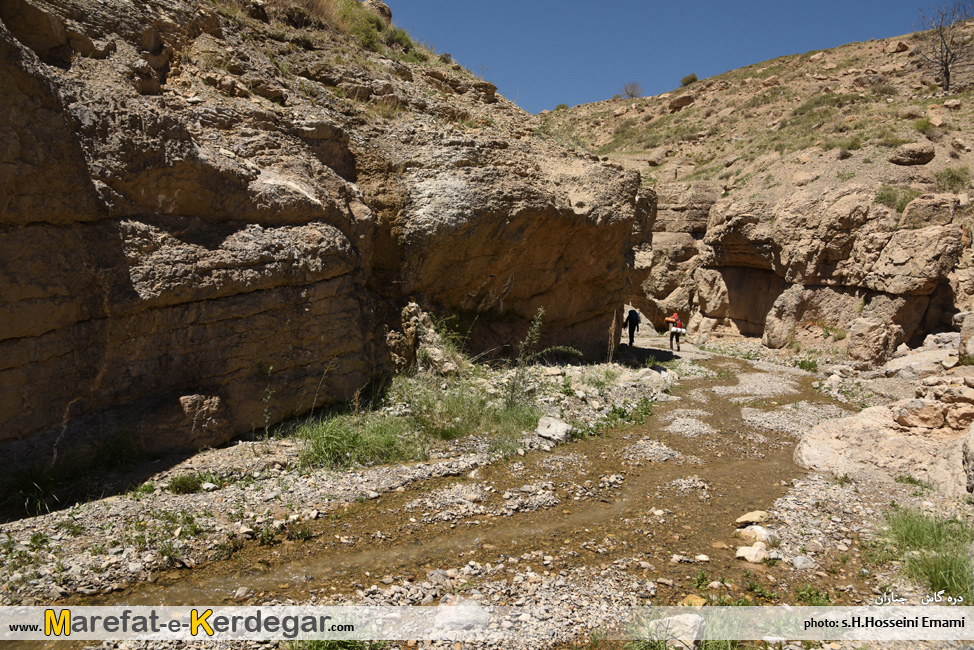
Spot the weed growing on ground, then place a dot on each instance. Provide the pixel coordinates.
(812, 596)
(933, 550)
(895, 198)
(185, 483)
(953, 179)
(810, 365)
(907, 479)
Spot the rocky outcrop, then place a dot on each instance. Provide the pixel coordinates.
(838, 261)
(924, 438)
(197, 245)
(664, 265)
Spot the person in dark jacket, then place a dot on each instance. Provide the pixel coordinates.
(632, 320)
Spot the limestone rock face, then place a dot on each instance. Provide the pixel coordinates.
(541, 242)
(966, 350)
(764, 268)
(194, 245)
(871, 441)
(668, 261)
(968, 458)
(927, 437)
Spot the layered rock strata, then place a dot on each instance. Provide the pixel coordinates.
(206, 230)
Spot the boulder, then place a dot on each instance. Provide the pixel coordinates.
(916, 365)
(679, 103)
(380, 8)
(752, 554)
(869, 340)
(967, 460)
(915, 153)
(757, 533)
(930, 210)
(966, 349)
(553, 429)
(960, 416)
(751, 518)
(927, 414)
(872, 442)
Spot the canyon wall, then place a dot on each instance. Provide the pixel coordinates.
(211, 224)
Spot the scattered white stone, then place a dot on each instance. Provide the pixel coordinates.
(755, 517)
(803, 563)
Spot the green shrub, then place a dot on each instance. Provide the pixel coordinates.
(953, 179)
(561, 107)
(924, 126)
(398, 38)
(185, 483)
(689, 79)
(812, 596)
(811, 365)
(907, 479)
(885, 90)
(896, 198)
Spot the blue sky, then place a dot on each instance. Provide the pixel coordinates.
(541, 53)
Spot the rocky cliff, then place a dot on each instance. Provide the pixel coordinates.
(213, 215)
(816, 199)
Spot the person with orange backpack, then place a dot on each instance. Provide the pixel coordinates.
(676, 328)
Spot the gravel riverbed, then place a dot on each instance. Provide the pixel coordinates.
(573, 583)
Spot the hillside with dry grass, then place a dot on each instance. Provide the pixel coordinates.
(863, 98)
(790, 191)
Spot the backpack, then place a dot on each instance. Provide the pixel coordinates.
(633, 317)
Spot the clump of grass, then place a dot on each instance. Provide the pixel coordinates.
(953, 179)
(689, 79)
(812, 596)
(894, 197)
(185, 483)
(810, 365)
(438, 409)
(907, 479)
(348, 439)
(527, 353)
(368, 29)
(837, 100)
(934, 550)
(924, 126)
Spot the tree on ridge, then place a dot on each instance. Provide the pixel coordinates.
(947, 45)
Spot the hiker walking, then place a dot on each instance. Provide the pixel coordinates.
(676, 328)
(632, 320)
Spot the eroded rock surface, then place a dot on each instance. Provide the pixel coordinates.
(205, 230)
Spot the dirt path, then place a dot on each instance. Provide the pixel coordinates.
(636, 516)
